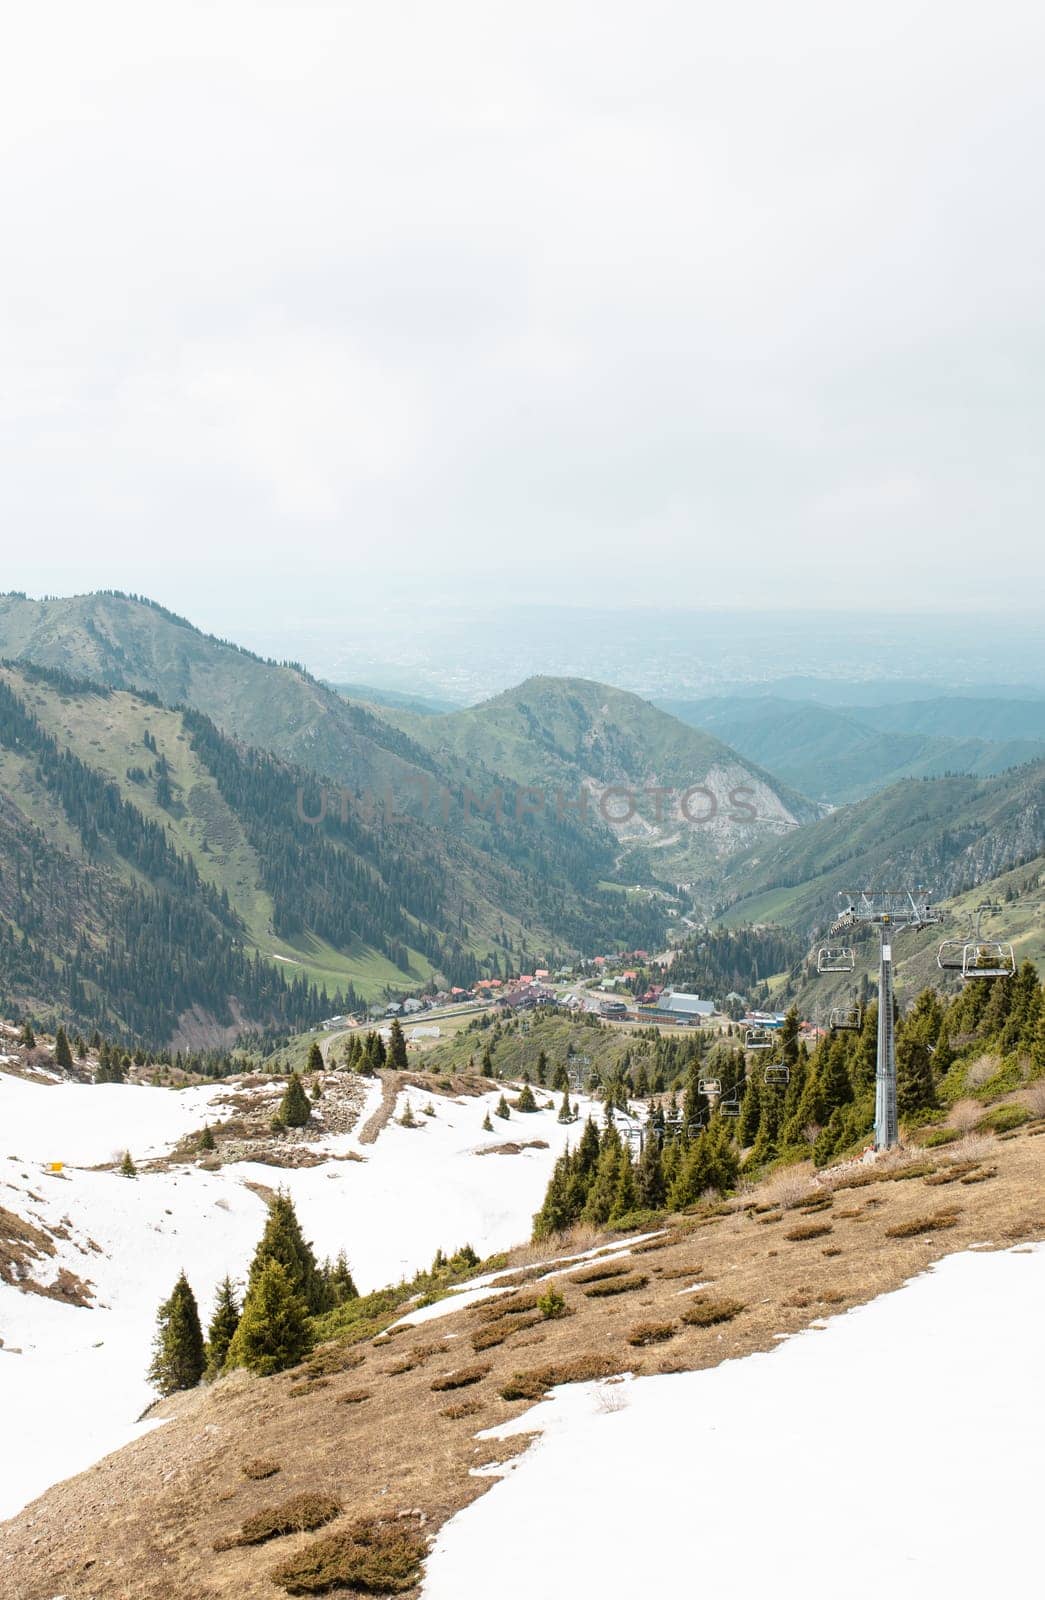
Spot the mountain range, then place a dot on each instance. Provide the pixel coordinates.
(839, 754)
(195, 841)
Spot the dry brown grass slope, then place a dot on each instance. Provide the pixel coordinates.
(161, 1518)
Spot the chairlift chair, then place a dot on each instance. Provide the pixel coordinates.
(988, 960)
(730, 1107)
(777, 1073)
(975, 956)
(951, 955)
(835, 959)
(712, 1086)
(846, 1019)
(759, 1039)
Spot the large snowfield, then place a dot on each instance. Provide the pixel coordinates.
(895, 1451)
(72, 1392)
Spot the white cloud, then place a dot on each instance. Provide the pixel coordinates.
(722, 287)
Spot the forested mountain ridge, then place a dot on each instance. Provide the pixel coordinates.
(149, 806)
(947, 834)
(133, 643)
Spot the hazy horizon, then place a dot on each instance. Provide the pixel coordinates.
(464, 652)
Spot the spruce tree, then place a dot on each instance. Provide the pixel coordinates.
(339, 1280)
(179, 1358)
(127, 1167)
(650, 1176)
(62, 1053)
(274, 1331)
(294, 1109)
(750, 1110)
(315, 1057)
(915, 1089)
(397, 1047)
(835, 1087)
(284, 1242)
(487, 1124)
(28, 1037)
(206, 1139)
(598, 1207)
(501, 1109)
(223, 1325)
(565, 1114)
(556, 1214)
(626, 1194)
(526, 1101)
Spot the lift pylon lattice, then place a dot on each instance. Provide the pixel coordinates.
(891, 911)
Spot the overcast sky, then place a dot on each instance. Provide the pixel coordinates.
(648, 302)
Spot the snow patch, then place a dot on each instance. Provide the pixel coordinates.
(894, 1412)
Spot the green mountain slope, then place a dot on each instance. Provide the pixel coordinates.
(841, 755)
(962, 717)
(210, 841)
(136, 644)
(573, 740)
(947, 834)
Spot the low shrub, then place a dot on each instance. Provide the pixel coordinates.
(637, 1222)
(310, 1386)
(770, 1216)
(857, 1180)
(260, 1467)
(330, 1359)
(459, 1379)
(1004, 1118)
(672, 1274)
(647, 1333)
(982, 1176)
(461, 1408)
(650, 1245)
(511, 1306)
(599, 1291)
(535, 1383)
(960, 1169)
(941, 1136)
(353, 1397)
(705, 1313)
(607, 1269)
(492, 1334)
(371, 1556)
(917, 1225)
(809, 1230)
(916, 1169)
(303, 1513)
(407, 1364)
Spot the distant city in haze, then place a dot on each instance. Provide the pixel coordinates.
(459, 653)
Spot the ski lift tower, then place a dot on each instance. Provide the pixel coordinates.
(890, 911)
